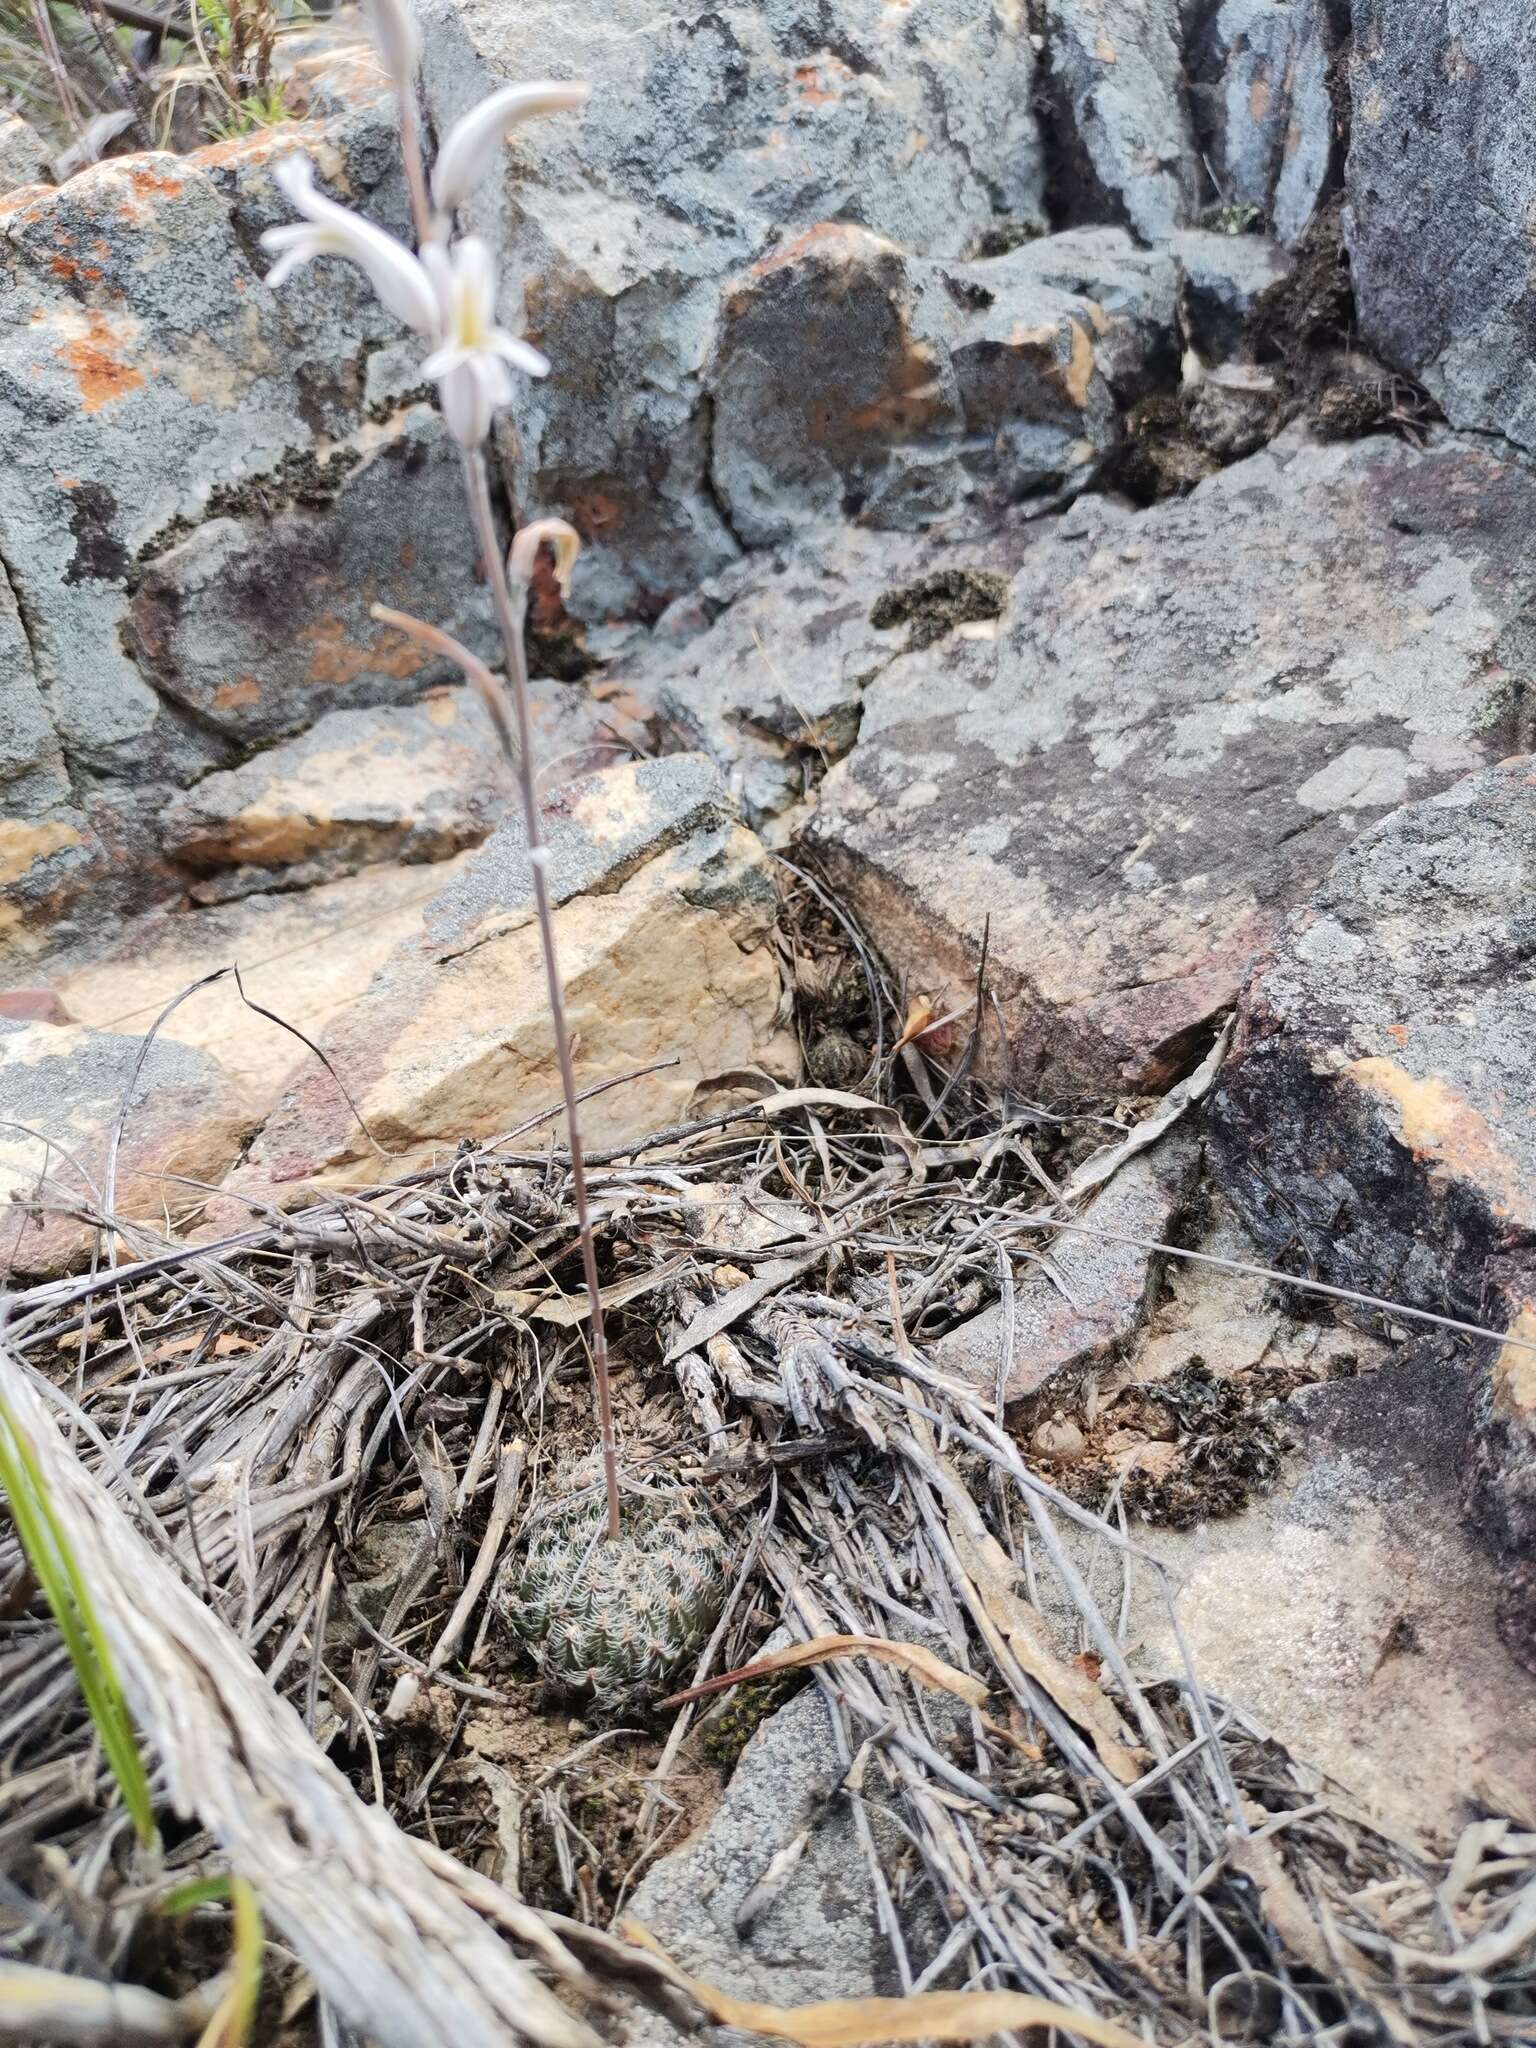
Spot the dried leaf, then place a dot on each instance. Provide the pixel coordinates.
(921, 1014)
(921, 2016)
(983, 1558)
(912, 1658)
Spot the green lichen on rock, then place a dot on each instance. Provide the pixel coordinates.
(622, 1620)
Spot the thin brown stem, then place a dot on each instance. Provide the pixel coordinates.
(509, 616)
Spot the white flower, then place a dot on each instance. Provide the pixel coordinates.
(471, 146)
(470, 363)
(327, 229)
(392, 27)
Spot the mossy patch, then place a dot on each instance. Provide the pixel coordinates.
(936, 604)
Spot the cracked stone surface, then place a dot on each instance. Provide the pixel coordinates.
(664, 904)
(1352, 1610)
(1258, 72)
(1374, 1123)
(64, 1088)
(1180, 721)
(1440, 183)
(710, 143)
(1096, 1295)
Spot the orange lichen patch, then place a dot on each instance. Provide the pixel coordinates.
(1442, 1129)
(825, 233)
(98, 368)
(1104, 49)
(812, 81)
(1399, 1032)
(909, 404)
(24, 196)
(237, 695)
(258, 147)
(147, 180)
(336, 659)
(1514, 1370)
(1258, 97)
(23, 845)
(1076, 373)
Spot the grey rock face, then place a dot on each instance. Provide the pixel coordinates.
(1440, 180)
(1374, 1118)
(1352, 1611)
(1097, 1299)
(1116, 68)
(204, 490)
(1182, 718)
(1374, 1124)
(1223, 276)
(821, 1936)
(254, 625)
(23, 159)
(1259, 86)
(709, 145)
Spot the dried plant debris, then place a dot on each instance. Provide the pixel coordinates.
(345, 1429)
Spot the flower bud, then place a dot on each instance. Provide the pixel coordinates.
(556, 534)
(392, 28)
(472, 144)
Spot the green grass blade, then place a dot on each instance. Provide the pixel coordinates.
(43, 1539)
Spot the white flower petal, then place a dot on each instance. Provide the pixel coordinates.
(472, 144)
(392, 28)
(521, 354)
(465, 413)
(403, 285)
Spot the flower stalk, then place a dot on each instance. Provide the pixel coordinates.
(446, 292)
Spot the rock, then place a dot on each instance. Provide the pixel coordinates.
(1374, 1122)
(415, 782)
(851, 379)
(64, 1088)
(1232, 1322)
(194, 458)
(772, 687)
(1351, 1610)
(1115, 75)
(821, 1936)
(304, 958)
(1136, 344)
(1183, 717)
(665, 904)
(1440, 181)
(23, 158)
(1374, 1119)
(1102, 1287)
(1259, 90)
(256, 625)
(1223, 276)
(710, 145)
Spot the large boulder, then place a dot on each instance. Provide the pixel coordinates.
(1350, 1610)
(1376, 1122)
(1260, 92)
(709, 145)
(1441, 180)
(664, 907)
(1128, 779)
(208, 484)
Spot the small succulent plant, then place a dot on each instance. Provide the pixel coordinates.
(622, 1619)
